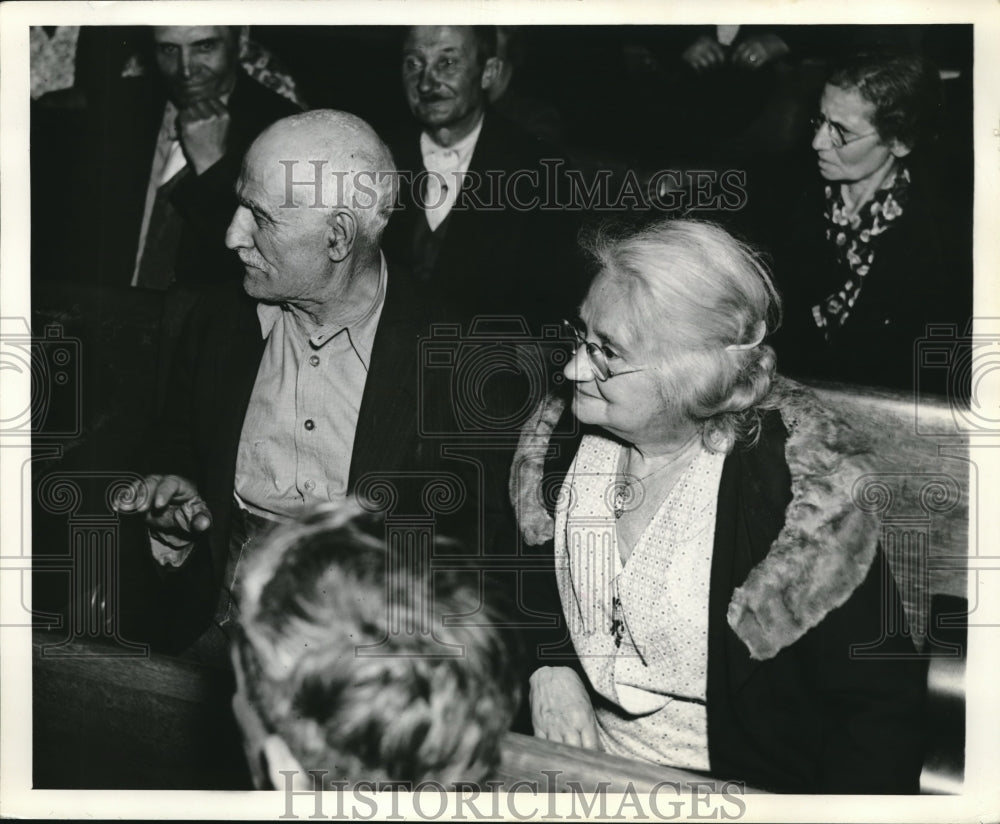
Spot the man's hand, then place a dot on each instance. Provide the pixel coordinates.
(174, 511)
(704, 53)
(202, 128)
(758, 51)
(561, 709)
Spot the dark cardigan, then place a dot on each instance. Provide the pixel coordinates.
(790, 708)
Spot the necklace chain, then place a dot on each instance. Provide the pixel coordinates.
(624, 489)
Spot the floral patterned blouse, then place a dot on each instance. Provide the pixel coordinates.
(854, 241)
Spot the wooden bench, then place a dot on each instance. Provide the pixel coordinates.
(923, 489)
(104, 721)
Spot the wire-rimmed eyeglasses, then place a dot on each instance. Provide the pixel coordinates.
(596, 353)
(838, 137)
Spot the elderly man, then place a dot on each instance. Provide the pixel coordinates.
(164, 152)
(302, 386)
(480, 220)
(331, 688)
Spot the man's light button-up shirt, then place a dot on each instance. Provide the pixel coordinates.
(446, 169)
(298, 435)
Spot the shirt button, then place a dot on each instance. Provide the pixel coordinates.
(309, 425)
(314, 360)
(310, 485)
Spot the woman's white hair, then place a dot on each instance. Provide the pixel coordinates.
(697, 302)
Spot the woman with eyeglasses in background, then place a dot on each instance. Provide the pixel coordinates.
(711, 565)
(864, 258)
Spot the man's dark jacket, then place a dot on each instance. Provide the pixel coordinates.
(213, 377)
(111, 201)
(491, 255)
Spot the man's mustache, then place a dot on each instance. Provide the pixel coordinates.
(251, 260)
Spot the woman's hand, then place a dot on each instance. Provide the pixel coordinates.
(561, 709)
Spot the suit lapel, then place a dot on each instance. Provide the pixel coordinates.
(387, 421)
(238, 360)
(125, 145)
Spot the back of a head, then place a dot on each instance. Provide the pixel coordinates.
(904, 89)
(346, 657)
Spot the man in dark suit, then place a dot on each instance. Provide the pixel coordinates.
(480, 220)
(164, 154)
(303, 387)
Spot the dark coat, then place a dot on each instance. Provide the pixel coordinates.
(492, 257)
(404, 420)
(921, 275)
(790, 708)
(122, 141)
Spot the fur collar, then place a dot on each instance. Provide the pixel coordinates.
(821, 555)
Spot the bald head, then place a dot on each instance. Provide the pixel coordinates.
(315, 193)
(329, 159)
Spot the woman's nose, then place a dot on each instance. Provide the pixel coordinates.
(822, 140)
(579, 368)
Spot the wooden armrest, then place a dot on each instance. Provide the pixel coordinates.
(555, 767)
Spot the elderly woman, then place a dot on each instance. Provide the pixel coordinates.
(712, 568)
(870, 256)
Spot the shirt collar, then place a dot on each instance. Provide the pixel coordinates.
(360, 331)
(463, 148)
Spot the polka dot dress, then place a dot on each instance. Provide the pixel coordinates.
(654, 677)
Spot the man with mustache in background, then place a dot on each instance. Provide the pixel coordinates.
(479, 221)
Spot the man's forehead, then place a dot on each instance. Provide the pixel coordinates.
(270, 178)
(440, 38)
(186, 35)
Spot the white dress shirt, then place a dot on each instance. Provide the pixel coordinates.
(446, 166)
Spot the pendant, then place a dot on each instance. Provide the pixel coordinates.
(619, 503)
(617, 624)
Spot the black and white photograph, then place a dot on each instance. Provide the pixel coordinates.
(477, 411)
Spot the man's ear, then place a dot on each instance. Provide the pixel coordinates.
(900, 149)
(491, 71)
(281, 763)
(342, 234)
